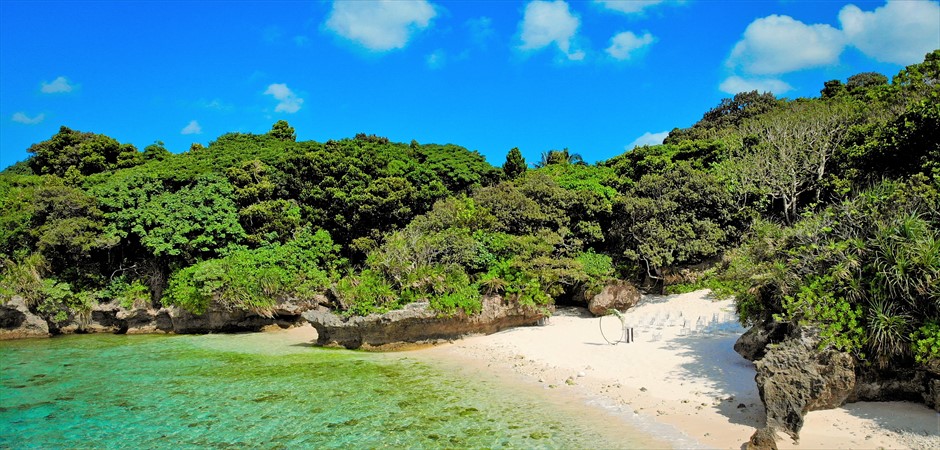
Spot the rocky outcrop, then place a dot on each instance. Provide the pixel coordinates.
(794, 377)
(620, 295)
(763, 439)
(752, 345)
(417, 323)
(17, 321)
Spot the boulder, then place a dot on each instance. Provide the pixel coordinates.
(620, 295)
(17, 321)
(763, 439)
(794, 377)
(418, 323)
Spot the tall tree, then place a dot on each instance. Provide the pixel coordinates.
(515, 164)
(84, 153)
(561, 157)
(787, 152)
(283, 131)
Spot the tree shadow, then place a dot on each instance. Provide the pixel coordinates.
(712, 357)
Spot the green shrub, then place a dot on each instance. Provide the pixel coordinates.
(130, 295)
(365, 293)
(23, 278)
(841, 323)
(59, 303)
(255, 280)
(926, 342)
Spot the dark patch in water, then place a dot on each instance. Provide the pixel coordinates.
(539, 435)
(268, 398)
(348, 423)
(467, 411)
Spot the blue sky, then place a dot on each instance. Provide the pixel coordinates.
(596, 77)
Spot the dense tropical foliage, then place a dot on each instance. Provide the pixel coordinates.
(823, 210)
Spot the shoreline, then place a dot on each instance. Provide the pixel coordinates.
(680, 380)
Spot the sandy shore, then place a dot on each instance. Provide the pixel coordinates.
(679, 379)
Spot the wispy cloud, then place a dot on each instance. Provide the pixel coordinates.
(481, 30)
(735, 84)
(437, 59)
(57, 86)
(21, 117)
(647, 139)
(624, 46)
(192, 128)
(288, 101)
(546, 23)
(214, 105)
(382, 25)
(628, 6)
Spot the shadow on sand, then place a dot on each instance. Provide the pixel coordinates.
(713, 357)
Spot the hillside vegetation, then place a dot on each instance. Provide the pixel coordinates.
(823, 210)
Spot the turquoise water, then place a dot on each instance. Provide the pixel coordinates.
(237, 391)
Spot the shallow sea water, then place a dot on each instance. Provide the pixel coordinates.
(252, 390)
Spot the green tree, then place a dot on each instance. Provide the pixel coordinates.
(156, 151)
(283, 131)
(559, 157)
(515, 164)
(832, 88)
(86, 153)
(788, 152)
(683, 216)
(864, 81)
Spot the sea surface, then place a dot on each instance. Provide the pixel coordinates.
(264, 391)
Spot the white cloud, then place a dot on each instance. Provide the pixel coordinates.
(59, 85)
(192, 128)
(382, 25)
(437, 59)
(900, 32)
(735, 84)
(628, 6)
(214, 105)
(545, 23)
(624, 45)
(481, 30)
(21, 117)
(287, 101)
(648, 139)
(780, 44)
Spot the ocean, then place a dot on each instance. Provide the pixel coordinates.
(262, 390)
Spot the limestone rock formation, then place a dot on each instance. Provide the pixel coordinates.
(794, 377)
(752, 345)
(762, 439)
(620, 295)
(17, 321)
(417, 323)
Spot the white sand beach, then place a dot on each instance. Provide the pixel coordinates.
(680, 379)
